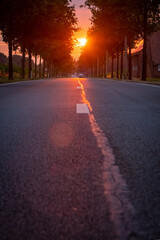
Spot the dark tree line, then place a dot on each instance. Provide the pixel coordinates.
(116, 26)
(41, 28)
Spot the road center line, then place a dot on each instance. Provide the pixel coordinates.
(115, 188)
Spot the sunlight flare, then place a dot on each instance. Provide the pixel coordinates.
(82, 42)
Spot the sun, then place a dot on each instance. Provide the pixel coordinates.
(82, 42)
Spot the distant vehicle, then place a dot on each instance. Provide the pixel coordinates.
(81, 75)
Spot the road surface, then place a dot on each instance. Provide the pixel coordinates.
(79, 159)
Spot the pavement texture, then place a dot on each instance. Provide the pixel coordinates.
(52, 170)
(129, 115)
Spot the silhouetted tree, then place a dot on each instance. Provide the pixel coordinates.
(36, 28)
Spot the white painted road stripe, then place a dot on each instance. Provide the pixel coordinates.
(82, 108)
(7, 84)
(149, 85)
(142, 84)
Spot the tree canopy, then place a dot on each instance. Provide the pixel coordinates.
(41, 27)
(113, 20)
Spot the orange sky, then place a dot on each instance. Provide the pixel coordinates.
(83, 15)
(3, 46)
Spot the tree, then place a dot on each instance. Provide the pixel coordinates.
(117, 19)
(36, 28)
(112, 19)
(8, 25)
(147, 16)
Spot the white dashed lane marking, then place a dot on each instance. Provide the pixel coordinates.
(82, 108)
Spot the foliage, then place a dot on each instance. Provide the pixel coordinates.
(42, 27)
(112, 20)
(3, 69)
(3, 58)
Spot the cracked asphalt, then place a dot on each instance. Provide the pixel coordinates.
(51, 169)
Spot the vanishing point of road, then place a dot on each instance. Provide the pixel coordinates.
(79, 160)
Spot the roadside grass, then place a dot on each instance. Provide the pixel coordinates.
(6, 80)
(148, 80)
(153, 80)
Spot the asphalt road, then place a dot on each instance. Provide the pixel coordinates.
(71, 176)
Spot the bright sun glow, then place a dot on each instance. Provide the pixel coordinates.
(82, 41)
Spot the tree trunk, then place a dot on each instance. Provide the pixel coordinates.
(23, 63)
(126, 58)
(35, 65)
(30, 65)
(44, 68)
(48, 70)
(55, 71)
(121, 73)
(97, 67)
(130, 61)
(52, 71)
(144, 59)
(10, 60)
(112, 65)
(117, 64)
(93, 70)
(40, 65)
(106, 72)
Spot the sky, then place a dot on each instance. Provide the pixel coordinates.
(3, 46)
(83, 15)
